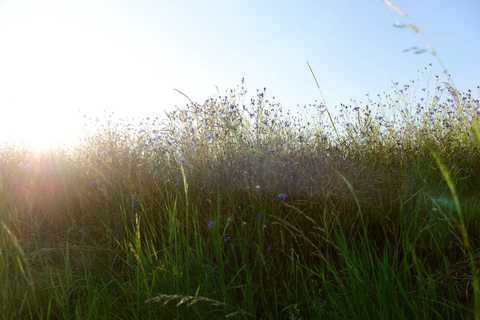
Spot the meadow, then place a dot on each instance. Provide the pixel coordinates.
(238, 209)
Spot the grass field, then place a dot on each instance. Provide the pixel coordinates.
(237, 209)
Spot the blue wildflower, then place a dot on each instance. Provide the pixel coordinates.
(181, 161)
(211, 224)
(281, 195)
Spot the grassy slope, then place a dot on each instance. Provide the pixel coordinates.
(236, 209)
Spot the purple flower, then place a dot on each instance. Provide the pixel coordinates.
(209, 136)
(211, 224)
(260, 215)
(167, 181)
(271, 150)
(281, 195)
(94, 182)
(227, 238)
(181, 161)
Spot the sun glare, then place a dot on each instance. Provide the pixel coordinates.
(40, 133)
(57, 60)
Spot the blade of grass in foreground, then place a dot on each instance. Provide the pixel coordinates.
(460, 224)
(324, 102)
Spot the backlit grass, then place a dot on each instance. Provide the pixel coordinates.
(239, 209)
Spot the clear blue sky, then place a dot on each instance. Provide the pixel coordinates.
(128, 56)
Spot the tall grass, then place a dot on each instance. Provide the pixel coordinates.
(237, 209)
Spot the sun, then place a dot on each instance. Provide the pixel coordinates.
(50, 69)
(41, 132)
(59, 57)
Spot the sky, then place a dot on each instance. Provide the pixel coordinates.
(63, 59)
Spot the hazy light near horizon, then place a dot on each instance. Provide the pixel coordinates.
(60, 60)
